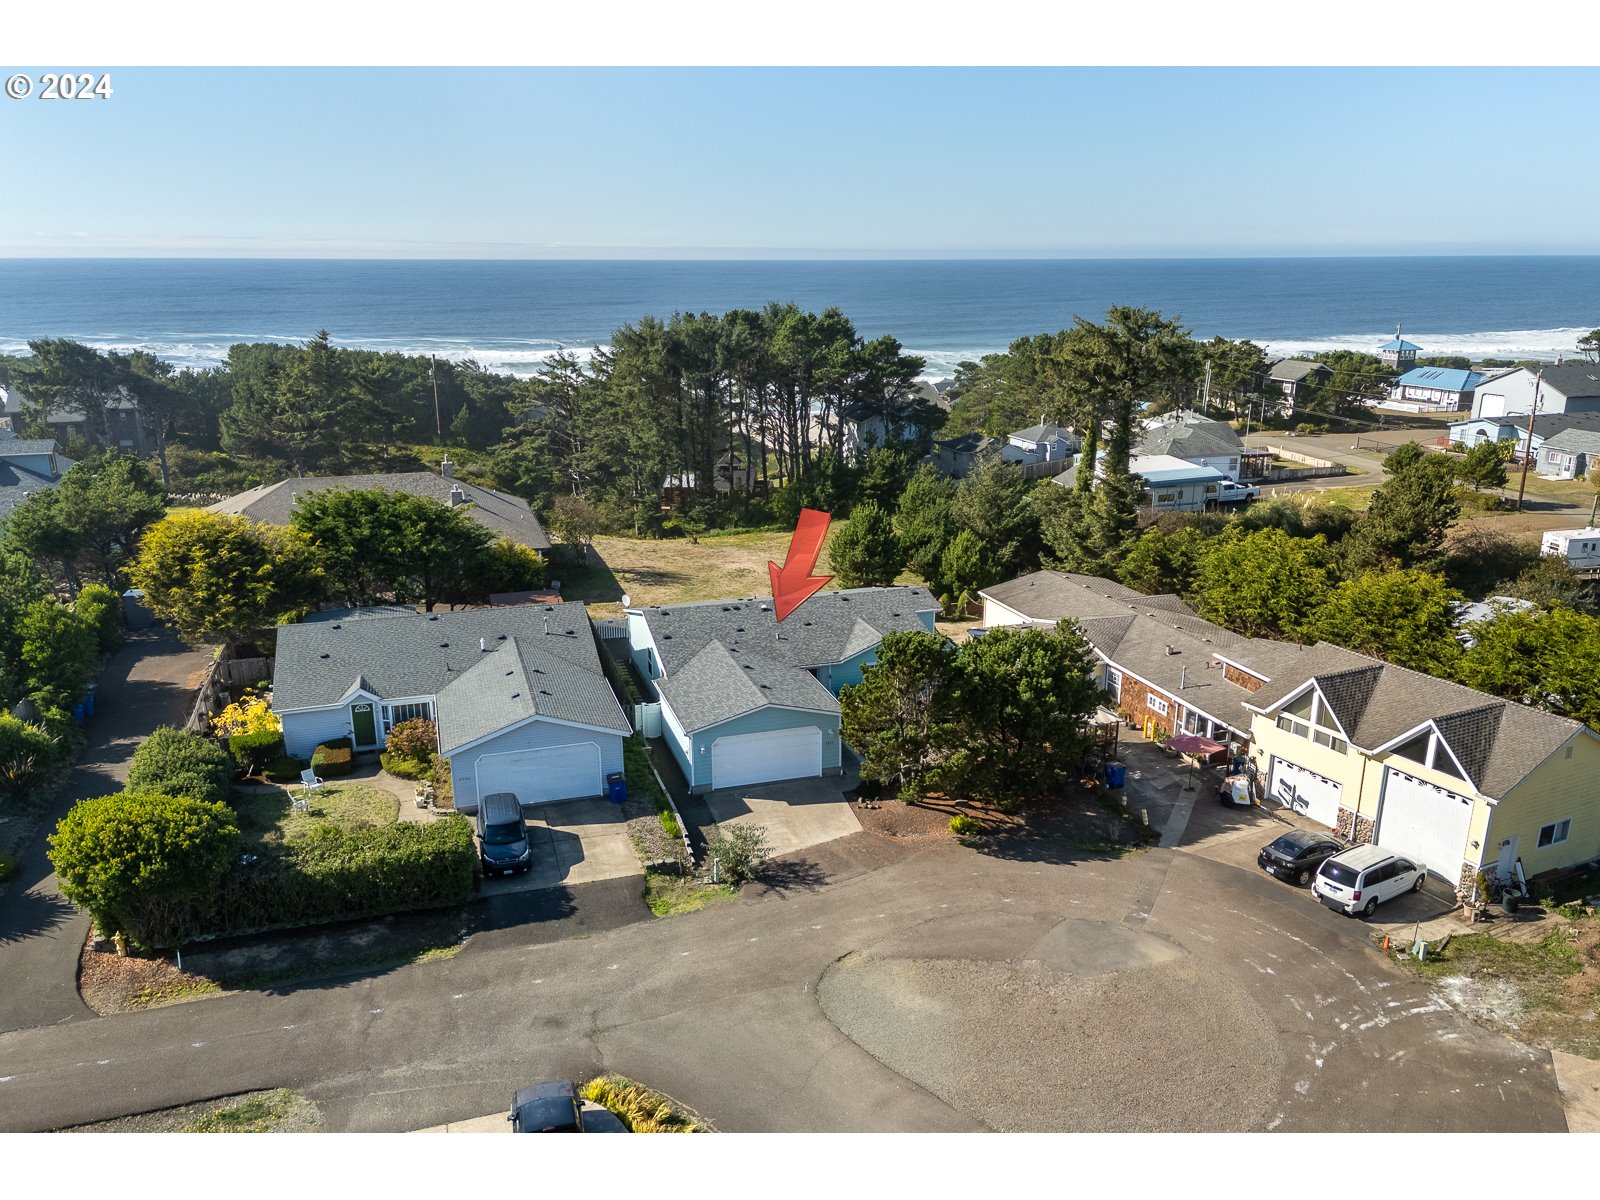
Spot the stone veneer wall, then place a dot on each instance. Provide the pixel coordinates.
(1354, 828)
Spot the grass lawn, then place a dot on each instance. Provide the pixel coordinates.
(674, 570)
(668, 895)
(280, 1111)
(270, 817)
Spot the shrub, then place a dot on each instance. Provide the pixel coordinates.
(249, 714)
(738, 850)
(27, 754)
(9, 866)
(327, 875)
(637, 1107)
(101, 608)
(964, 826)
(406, 768)
(284, 769)
(175, 763)
(669, 826)
(417, 740)
(250, 750)
(332, 759)
(137, 860)
(57, 652)
(444, 793)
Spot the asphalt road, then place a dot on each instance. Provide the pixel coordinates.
(149, 682)
(1161, 973)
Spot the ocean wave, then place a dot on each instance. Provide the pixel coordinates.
(523, 357)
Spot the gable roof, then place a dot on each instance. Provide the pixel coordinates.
(419, 654)
(723, 682)
(1040, 433)
(1497, 743)
(1292, 370)
(1399, 344)
(503, 515)
(1191, 439)
(1449, 379)
(1573, 379)
(828, 628)
(17, 483)
(522, 678)
(1583, 438)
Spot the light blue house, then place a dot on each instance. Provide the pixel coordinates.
(746, 699)
(521, 702)
(1434, 389)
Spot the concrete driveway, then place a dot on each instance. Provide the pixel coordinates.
(574, 841)
(796, 814)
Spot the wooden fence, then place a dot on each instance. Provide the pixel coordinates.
(212, 697)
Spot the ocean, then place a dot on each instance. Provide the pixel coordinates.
(511, 315)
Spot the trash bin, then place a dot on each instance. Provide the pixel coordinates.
(88, 702)
(617, 787)
(77, 713)
(1116, 774)
(1510, 901)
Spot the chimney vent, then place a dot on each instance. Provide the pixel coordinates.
(447, 469)
(483, 644)
(457, 496)
(1172, 649)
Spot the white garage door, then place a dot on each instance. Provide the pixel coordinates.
(764, 757)
(1305, 791)
(539, 776)
(1424, 822)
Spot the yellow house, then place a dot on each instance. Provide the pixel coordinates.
(1457, 779)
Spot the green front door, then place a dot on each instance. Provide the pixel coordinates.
(366, 728)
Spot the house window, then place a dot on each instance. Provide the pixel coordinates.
(1555, 833)
(395, 714)
(1323, 738)
(1289, 725)
(1157, 705)
(1114, 683)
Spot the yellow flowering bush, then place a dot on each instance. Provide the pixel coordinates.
(251, 714)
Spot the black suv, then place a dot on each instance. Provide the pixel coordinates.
(549, 1107)
(1297, 855)
(502, 835)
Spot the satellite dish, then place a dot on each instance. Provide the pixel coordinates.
(627, 600)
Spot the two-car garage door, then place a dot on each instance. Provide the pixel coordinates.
(747, 758)
(539, 776)
(1425, 822)
(1305, 791)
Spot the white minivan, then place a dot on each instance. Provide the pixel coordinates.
(1357, 880)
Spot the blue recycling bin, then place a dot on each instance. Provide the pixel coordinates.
(88, 704)
(617, 787)
(1116, 774)
(77, 713)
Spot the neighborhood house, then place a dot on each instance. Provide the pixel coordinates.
(746, 699)
(1457, 779)
(520, 698)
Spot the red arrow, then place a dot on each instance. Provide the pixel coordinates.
(794, 583)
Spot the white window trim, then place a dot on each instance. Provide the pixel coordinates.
(1157, 705)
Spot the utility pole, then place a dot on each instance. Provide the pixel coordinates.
(433, 371)
(1538, 381)
(1205, 403)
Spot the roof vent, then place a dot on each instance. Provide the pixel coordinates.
(322, 656)
(336, 625)
(748, 667)
(444, 645)
(542, 692)
(483, 644)
(1172, 649)
(500, 638)
(433, 616)
(738, 628)
(666, 637)
(510, 672)
(516, 695)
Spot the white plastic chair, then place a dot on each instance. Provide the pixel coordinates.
(309, 779)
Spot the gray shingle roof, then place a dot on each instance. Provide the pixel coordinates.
(18, 483)
(828, 628)
(1209, 439)
(1039, 433)
(520, 679)
(1573, 379)
(12, 446)
(1584, 441)
(418, 654)
(503, 515)
(1292, 370)
(1498, 743)
(723, 682)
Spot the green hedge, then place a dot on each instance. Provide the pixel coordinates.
(332, 759)
(172, 762)
(251, 750)
(328, 875)
(406, 768)
(285, 769)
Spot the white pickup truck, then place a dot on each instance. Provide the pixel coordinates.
(1230, 492)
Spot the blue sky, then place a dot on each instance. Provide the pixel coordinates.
(751, 163)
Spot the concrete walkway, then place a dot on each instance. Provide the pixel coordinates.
(151, 681)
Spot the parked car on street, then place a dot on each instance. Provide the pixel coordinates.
(1229, 492)
(1357, 880)
(1297, 855)
(502, 835)
(548, 1107)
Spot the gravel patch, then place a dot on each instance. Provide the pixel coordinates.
(1163, 1048)
(1486, 998)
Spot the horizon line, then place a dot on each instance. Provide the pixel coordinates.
(784, 258)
